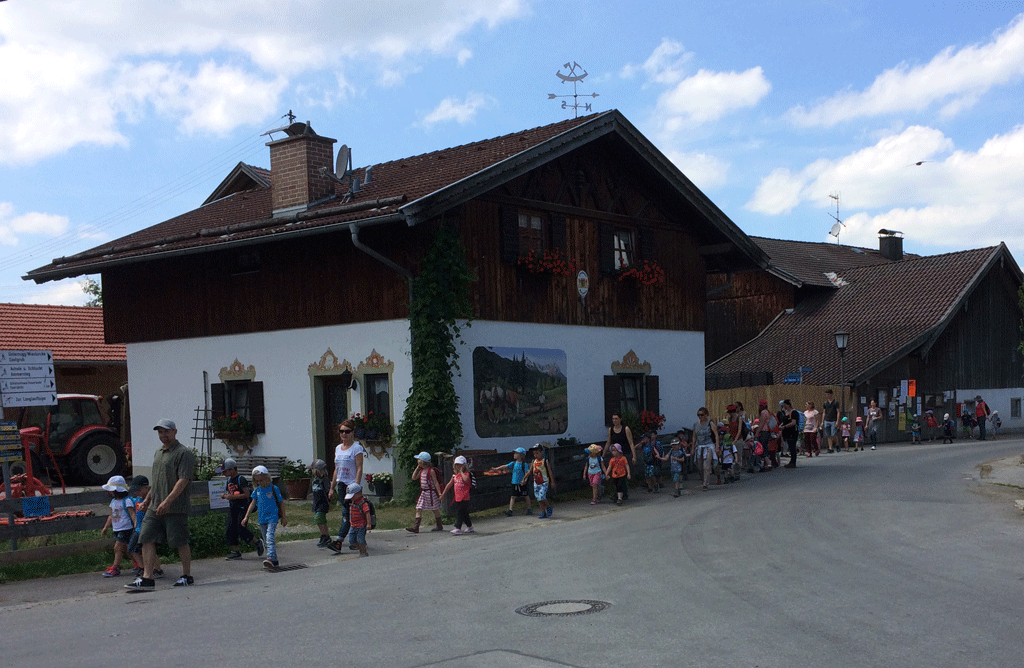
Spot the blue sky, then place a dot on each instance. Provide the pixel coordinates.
(118, 114)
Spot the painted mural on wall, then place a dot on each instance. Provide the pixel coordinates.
(519, 391)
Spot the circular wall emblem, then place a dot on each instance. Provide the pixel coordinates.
(562, 608)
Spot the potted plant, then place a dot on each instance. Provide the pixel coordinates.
(382, 483)
(296, 479)
(378, 427)
(235, 430)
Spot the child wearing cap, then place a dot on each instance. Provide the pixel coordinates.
(592, 472)
(677, 456)
(358, 516)
(948, 429)
(137, 491)
(321, 488)
(543, 480)
(237, 493)
(518, 468)
(122, 520)
(844, 431)
(268, 502)
(617, 471)
(430, 492)
(460, 483)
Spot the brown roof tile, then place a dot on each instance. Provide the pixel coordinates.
(885, 308)
(71, 333)
(809, 261)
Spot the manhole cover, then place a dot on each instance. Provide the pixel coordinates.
(562, 608)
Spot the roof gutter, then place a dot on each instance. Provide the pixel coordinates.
(57, 274)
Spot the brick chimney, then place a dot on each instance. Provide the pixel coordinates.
(890, 244)
(295, 163)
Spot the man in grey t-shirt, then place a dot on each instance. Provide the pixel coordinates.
(830, 418)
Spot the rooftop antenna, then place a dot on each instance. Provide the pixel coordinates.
(839, 224)
(575, 79)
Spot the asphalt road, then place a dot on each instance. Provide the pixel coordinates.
(899, 557)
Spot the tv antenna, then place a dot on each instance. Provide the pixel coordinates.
(575, 79)
(839, 224)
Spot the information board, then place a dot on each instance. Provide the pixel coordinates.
(26, 378)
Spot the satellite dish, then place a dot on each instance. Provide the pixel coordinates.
(836, 229)
(341, 168)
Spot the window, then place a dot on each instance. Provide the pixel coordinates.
(378, 395)
(241, 397)
(630, 393)
(624, 245)
(531, 233)
(1015, 408)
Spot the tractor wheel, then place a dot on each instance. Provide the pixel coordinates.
(97, 458)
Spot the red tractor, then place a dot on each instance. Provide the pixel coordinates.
(73, 436)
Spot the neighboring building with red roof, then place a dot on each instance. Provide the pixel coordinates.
(950, 322)
(289, 288)
(83, 362)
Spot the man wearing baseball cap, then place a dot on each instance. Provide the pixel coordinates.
(173, 468)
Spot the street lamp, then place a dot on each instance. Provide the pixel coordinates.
(842, 340)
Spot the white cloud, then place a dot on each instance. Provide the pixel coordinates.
(67, 292)
(706, 171)
(464, 56)
(666, 65)
(973, 197)
(707, 96)
(462, 112)
(75, 72)
(12, 227)
(956, 79)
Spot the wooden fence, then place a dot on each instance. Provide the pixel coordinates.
(65, 507)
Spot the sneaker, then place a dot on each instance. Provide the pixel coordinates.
(270, 565)
(260, 547)
(353, 546)
(456, 532)
(323, 541)
(872, 447)
(158, 573)
(184, 581)
(543, 514)
(234, 555)
(550, 510)
(112, 572)
(470, 530)
(508, 513)
(618, 502)
(593, 503)
(141, 584)
(138, 570)
(676, 494)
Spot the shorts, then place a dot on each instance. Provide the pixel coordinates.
(540, 491)
(727, 467)
(170, 529)
(134, 546)
(594, 479)
(124, 535)
(677, 476)
(520, 490)
(357, 536)
(319, 518)
(829, 428)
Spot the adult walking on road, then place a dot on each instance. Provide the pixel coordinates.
(620, 434)
(981, 412)
(830, 420)
(705, 439)
(348, 469)
(789, 422)
(173, 468)
(874, 419)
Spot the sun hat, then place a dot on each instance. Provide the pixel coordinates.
(318, 465)
(594, 449)
(946, 416)
(846, 419)
(352, 490)
(423, 456)
(261, 470)
(461, 460)
(116, 484)
(165, 424)
(521, 451)
(617, 447)
(860, 419)
(763, 403)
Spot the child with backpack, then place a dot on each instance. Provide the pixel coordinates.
(122, 520)
(321, 487)
(268, 502)
(948, 429)
(461, 482)
(360, 514)
(519, 470)
(429, 479)
(844, 431)
(137, 490)
(678, 459)
(617, 471)
(592, 471)
(858, 436)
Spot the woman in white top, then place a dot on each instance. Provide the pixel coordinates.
(348, 468)
(811, 430)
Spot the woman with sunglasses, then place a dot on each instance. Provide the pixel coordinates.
(348, 468)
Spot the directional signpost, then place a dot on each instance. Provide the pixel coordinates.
(26, 378)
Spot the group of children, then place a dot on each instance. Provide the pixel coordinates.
(127, 510)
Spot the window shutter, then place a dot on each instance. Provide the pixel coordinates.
(256, 409)
(509, 227)
(612, 389)
(653, 401)
(558, 235)
(606, 248)
(646, 243)
(217, 400)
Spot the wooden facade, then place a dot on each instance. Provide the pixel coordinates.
(740, 306)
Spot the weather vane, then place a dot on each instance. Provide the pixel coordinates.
(575, 79)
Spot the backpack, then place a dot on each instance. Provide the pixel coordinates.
(371, 517)
(773, 424)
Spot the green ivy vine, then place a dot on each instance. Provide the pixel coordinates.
(440, 301)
